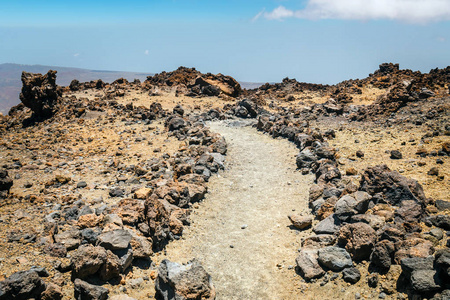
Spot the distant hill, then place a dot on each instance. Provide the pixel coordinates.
(10, 83)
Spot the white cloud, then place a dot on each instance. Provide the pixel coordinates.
(441, 39)
(259, 15)
(413, 11)
(76, 55)
(279, 13)
(146, 52)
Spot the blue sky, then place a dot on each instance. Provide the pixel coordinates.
(323, 41)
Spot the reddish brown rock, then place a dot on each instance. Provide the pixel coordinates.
(358, 239)
(88, 221)
(131, 211)
(87, 260)
(414, 247)
(300, 222)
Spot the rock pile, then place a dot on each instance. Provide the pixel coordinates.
(193, 83)
(377, 220)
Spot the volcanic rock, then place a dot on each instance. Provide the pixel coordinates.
(300, 222)
(86, 291)
(334, 258)
(352, 275)
(114, 240)
(358, 239)
(393, 186)
(308, 264)
(6, 182)
(40, 93)
(189, 281)
(22, 285)
(87, 260)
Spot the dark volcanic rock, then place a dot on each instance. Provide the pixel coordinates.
(40, 93)
(306, 158)
(395, 154)
(393, 186)
(330, 225)
(420, 272)
(351, 275)
(189, 281)
(409, 211)
(6, 182)
(382, 254)
(114, 240)
(409, 265)
(442, 221)
(424, 281)
(250, 106)
(335, 258)
(176, 123)
(86, 291)
(22, 285)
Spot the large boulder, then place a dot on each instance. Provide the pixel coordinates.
(40, 93)
(393, 187)
(183, 282)
(22, 285)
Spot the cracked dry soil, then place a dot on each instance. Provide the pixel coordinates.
(240, 232)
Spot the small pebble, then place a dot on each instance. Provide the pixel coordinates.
(244, 226)
(81, 184)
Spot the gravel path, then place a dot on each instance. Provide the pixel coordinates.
(241, 232)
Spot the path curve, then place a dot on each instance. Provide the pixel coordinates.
(240, 232)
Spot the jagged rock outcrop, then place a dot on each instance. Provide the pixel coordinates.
(40, 93)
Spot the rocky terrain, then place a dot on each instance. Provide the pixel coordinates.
(126, 190)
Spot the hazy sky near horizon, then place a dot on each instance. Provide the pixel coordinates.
(322, 41)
